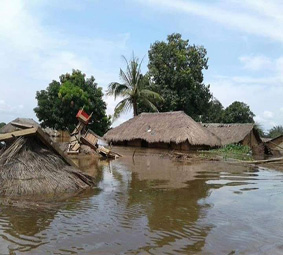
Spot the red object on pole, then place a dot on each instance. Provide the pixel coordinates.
(83, 116)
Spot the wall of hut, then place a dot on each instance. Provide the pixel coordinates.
(184, 146)
(254, 142)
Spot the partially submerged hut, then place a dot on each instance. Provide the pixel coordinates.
(244, 134)
(32, 164)
(275, 145)
(172, 130)
(18, 124)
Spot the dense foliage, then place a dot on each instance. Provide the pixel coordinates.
(238, 112)
(133, 90)
(2, 124)
(60, 102)
(175, 69)
(214, 113)
(275, 131)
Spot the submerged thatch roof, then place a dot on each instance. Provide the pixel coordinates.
(230, 133)
(166, 127)
(11, 128)
(33, 165)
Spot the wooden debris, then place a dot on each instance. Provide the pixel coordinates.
(104, 152)
(21, 125)
(90, 139)
(82, 135)
(43, 137)
(12, 135)
(264, 161)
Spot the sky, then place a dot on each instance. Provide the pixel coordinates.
(42, 39)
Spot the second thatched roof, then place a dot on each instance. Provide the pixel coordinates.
(166, 127)
(230, 133)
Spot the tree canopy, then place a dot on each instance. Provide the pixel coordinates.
(133, 89)
(275, 131)
(175, 69)
(238, 112)
(214, 113)
(60, 102)
(2, 124)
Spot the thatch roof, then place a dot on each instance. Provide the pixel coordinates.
(230, 133)
(166, 127)
(266, 139)
(11, 128)
(33, 165)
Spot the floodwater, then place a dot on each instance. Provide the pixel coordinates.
(151, 204)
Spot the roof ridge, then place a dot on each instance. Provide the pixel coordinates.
(156, 113)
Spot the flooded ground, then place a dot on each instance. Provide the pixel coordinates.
(149, 204)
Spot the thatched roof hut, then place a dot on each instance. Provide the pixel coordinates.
(275, 145)
(230, 133)
(236, 133)
(32, 165)
(23, 121)
(166, 130)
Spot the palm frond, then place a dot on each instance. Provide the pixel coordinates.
(149, 104)
(128, 73)
(125, 78)
(149, 94)
(139, 70)
(123, 106)
(116, 89)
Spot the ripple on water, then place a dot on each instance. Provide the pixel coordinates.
(138, 212)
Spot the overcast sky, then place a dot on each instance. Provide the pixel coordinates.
(40, 40)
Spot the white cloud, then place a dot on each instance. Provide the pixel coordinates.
(32, 55)
(256, 63)
(255, 94)
(268, 114)
(9, 109)
(261, 19)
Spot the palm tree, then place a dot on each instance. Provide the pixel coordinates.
(133, 89)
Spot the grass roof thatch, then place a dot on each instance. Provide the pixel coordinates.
(28, 167)
(11, 128)
(266, 139)
(166, 127)
(230, 133)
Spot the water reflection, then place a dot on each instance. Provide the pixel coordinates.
(149, 204)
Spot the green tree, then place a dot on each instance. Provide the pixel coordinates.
(275, 131)
(214, 113)
(238, 112)
(60, 102)
(2, 124)
(133, 89)
(176, 69)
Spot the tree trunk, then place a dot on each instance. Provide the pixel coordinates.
(135, 107)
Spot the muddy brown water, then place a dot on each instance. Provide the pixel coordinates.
(150, 204)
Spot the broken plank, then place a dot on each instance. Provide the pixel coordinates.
(15, 134)
(21, 125)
